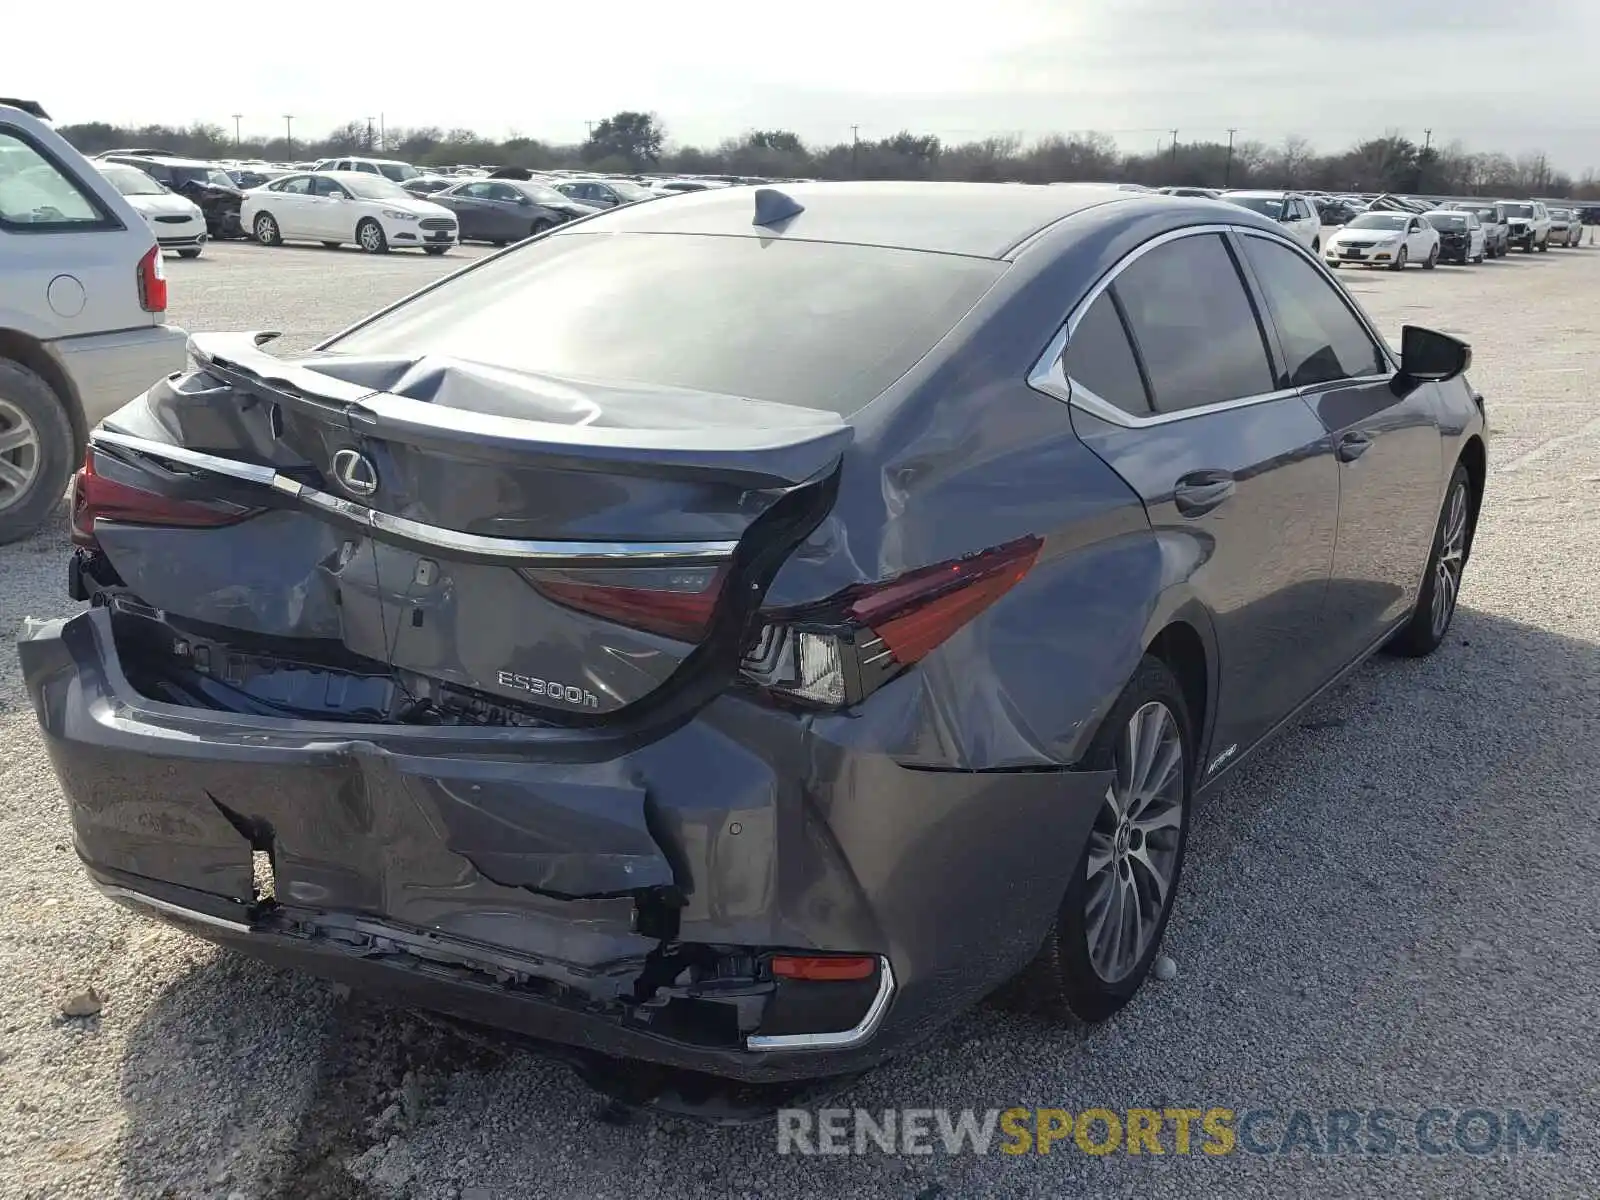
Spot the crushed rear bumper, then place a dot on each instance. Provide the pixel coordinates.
(617, 893)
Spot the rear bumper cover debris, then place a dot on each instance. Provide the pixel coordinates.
(620, 895)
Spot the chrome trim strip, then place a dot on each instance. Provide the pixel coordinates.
(382, 524)
(172, 910)
(1049, 376)
(844, 1039)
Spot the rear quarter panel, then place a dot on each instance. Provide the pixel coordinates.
(962, 455)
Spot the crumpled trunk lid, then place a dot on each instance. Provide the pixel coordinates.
(566, 546)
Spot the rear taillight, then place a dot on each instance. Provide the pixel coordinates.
(674, 602)
(152, 282)
(95, 497)
(840, 651)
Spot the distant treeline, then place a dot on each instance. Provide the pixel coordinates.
(635, 141)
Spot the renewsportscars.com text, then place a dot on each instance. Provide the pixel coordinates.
(1177, 1131)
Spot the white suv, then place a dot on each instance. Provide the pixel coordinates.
(81, 309)
(1293, 211)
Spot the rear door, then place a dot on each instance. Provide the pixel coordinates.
(1174, 386)
(1387, 447)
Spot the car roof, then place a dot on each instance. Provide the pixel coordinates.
(986, 220)
(1264, 193)
(169, 160)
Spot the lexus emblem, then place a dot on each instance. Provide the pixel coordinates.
(355, 473)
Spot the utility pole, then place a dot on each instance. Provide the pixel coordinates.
(383, 134)
(237, 117)
(855, 148)
(1227, 171)
(1427, 140)
(590, 126)
(370, 142)
(1174, 161)
(1422, 165)
(288, 133)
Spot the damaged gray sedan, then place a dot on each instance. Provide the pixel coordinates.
(739, 633)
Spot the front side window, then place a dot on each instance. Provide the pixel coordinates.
(39, 196)
(321, 185)
(1100, 358)
(1322, 339)
(1194, 325)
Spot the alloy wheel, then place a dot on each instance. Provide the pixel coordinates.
(1133, 847)
(1452, 558)
(20, 454)
(371, 237)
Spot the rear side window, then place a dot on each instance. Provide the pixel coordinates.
(38, 195)
(819, 324)
(300, 185)
(1100, 359)
(1194, 325)
(1322, 339)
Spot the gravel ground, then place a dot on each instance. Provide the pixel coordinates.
(1394, 907)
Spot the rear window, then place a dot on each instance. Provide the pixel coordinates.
(817, 324)
(39, 195)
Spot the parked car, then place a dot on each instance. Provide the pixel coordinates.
(335, 207)
(1461, 237)
(1333, 211)
(1290, 209)
(1198, 193)
(389, 168)
(177, 222)
(508, 210)
(207, 184)
(1384, 239)
(1530, 224)
(592, 683)
(607, 193)
(1565, 228)
(83, 295)
(1492, 216)
(427, 185)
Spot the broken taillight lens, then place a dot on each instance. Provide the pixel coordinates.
(676, 602)
(96, 497)
(838, 652)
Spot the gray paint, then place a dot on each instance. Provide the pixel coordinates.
(933, 823)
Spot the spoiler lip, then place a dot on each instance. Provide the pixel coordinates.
(757, 455)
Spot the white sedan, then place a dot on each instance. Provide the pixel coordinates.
(1384, 239)
(176, 220)
(335, 207)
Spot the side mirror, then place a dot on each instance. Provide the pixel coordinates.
(523, 201)
(1427, 356)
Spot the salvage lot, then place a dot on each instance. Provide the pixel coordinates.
(1393, 907)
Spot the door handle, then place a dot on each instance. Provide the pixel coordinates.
(1353, 445)
(1198, 492)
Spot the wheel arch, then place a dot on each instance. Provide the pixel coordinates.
(1475, 458)
(29, 352)
(1186, 643)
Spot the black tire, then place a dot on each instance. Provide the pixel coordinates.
(1425, 631)
(188, 254)
(1062, 983)
(435, 251)
(541, 226)
(1399, 263)
(1316, 245)
(1432, 260)
(266, 231)
(47, 463)
(1335, 264)
(371, 238)
(1544, 246)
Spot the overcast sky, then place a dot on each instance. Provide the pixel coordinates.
(1494, 74)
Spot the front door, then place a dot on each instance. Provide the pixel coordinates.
(1174, 387)
(1383, 443)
